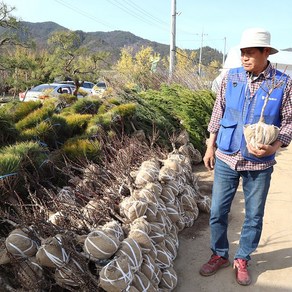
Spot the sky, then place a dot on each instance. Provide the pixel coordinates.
(213, 23)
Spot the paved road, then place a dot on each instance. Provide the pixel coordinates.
(271, 264)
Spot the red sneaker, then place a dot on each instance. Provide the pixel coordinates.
(241, 272)
(213, 265)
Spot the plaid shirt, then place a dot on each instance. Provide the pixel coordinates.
(236, 161)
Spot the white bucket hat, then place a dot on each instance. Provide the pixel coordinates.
(256, 37)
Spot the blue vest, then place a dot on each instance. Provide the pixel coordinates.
(242, 109)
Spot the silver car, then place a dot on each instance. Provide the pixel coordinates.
(46, 90)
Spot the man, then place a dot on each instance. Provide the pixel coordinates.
(239, 102)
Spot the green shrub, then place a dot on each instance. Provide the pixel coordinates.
(9, 163)
(22, 109)
(77, 123)
(36, 117)
(18, 110)
(175, 107)
(80, 149)
(151, 114)
(113, 100)
(61, 128)
(104, 119)
(67, 99)
(103, 109)
(87, 106)
(8, 132)
(11, 157)
(124, 110)
(193, 109)
(93, 128)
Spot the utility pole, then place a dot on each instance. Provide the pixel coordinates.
(201, 49)
(224, 52)
(172, 40)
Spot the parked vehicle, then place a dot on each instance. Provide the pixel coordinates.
(99, 88)
(86, 85)
(45, 90)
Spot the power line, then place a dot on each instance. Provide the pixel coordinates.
(146, 13)
(133, 12)
(82, 12)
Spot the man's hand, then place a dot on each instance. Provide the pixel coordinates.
(209, 158)
(264, 150)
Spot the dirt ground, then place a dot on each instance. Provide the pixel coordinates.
(271, 264)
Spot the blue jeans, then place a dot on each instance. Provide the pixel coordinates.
(255, 188)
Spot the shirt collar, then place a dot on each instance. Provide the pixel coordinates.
(267, 73)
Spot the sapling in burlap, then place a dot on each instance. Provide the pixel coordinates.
(260, 132)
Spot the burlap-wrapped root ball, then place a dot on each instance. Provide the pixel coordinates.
(147, 172)
(152, 164)
(191, 191)
(71, 275)
(167, 195)
(173, 185)
(168, 279)
(188, 202)
(172, 212)
(190, 151)
(141, 224)
(182, 139)
(131, 289)
(142, 283)
(161, 221)
(4, 254)
(153, 251)
(115, 229)
(19, 244)
(173, 164)
(175, 155)
(151, 211)
(156, 234)
(101, 244)
(30, 274)
(154, 187)
(204, 204)
(132, 250)
(166, 174)
(168, 223)
(146, 194)
(52, 253)
(117, 275)
(142, 238)
(151, 270)
(174, 235)
(164, 257)
(190, 217)
(180, 224)
(171, 246)
(133, 209)
(260, 133)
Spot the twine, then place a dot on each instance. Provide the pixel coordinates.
(54, 259)
(21, 252)
(144, 289)
(135, 263)
(126, 277)
(88, 239)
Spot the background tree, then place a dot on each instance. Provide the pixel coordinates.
(137, 68)
(12, 62)
(69, 60)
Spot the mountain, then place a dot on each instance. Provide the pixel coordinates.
(112, 41)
